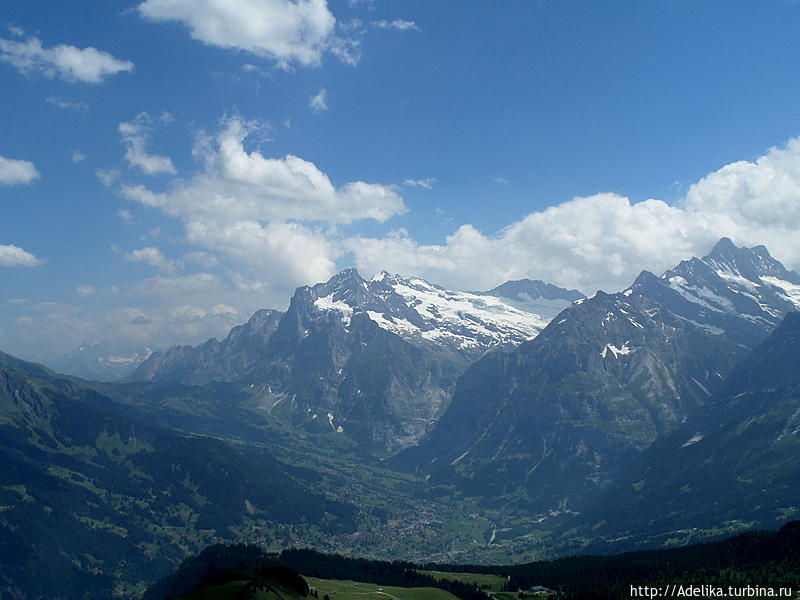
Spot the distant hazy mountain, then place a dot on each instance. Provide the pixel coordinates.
(375, 360)
(553, 419)
(96, 362)
(94, 503)
(736, 462)
(534, 296)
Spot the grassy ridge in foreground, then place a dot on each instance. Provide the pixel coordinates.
(358, 590)
(760, 559)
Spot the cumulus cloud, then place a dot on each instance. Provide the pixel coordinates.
(398, 24)
(13, 171)
(319, 101)
(238, 185)
(134, 137)
(286, 31)
(271, 223)
(603, 241)
(14, 256)
(426, 183)
(86, 65)
(153, 257)
(290, 253)
(754, 202)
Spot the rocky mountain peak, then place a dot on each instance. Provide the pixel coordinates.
(727, 259)
(419, 311)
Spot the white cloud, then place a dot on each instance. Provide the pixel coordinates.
(87, 65)
(754, 202)
(270, 222)
(134, 137)
(237, 185)
(398, 24)
(76, 105)
(13, 171)
(201, 258)
(153, 257)
(77, 156)
(319, 101)
(603, 241)
(107, 176)
(426, 183)
(287, 254)
(501, 180)
(85, 290)
(14, 256)
(286, 31)
(170, 288)
(125, 215)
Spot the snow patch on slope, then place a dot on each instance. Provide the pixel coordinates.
(617, 352)
(328, 303)
(790, 290)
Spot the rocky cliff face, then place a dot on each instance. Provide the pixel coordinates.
(213, 360)
(735, 462)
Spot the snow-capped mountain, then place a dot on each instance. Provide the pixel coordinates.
(374, 359)
(97, 362)
(555, 418)
(741, 292)
(467, 322)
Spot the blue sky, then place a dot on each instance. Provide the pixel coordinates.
(167, 166)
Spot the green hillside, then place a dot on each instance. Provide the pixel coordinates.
(95, 505)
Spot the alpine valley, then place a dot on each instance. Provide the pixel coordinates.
(391, 418)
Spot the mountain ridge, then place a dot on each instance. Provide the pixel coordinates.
(551, 420)
(375, 360)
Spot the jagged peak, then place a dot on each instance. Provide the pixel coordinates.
(723, 247)
(264, 314)
(350, 273)
(644, 278)
(726, 252)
